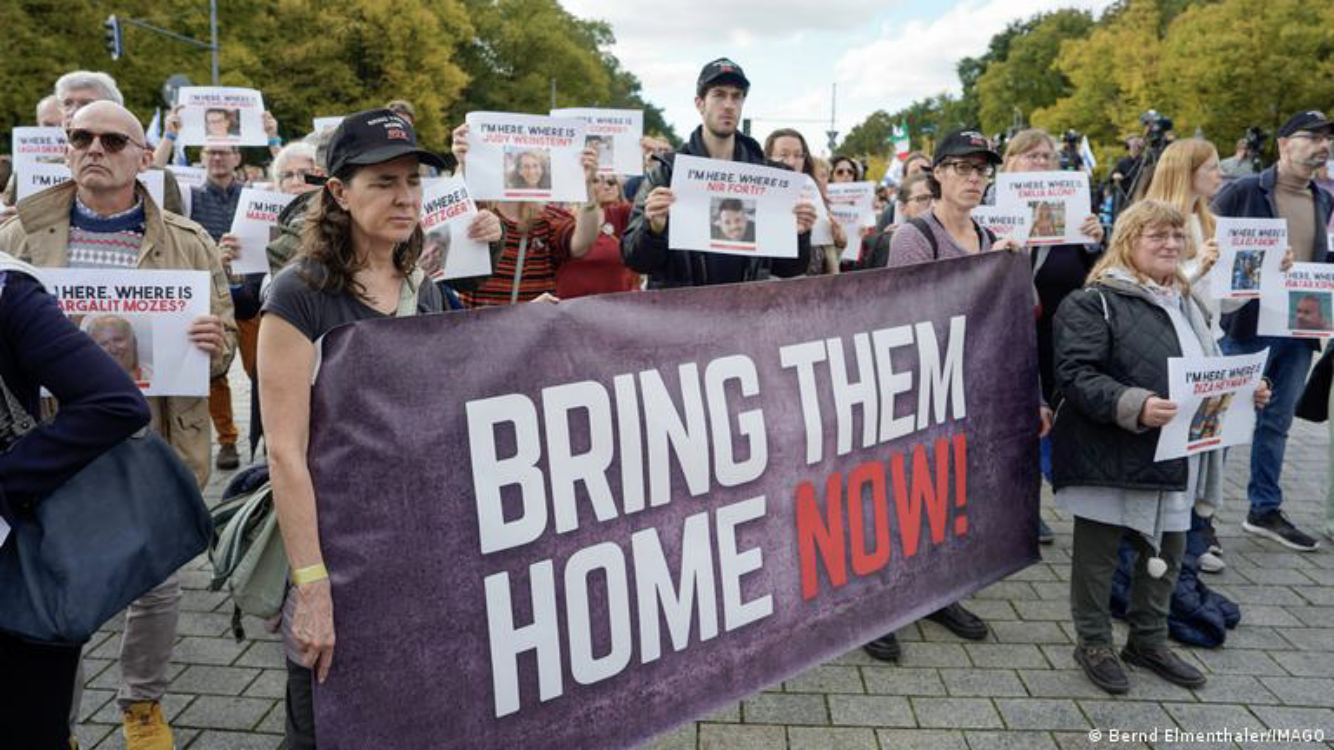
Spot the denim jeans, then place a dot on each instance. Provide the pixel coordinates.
(1289, 362)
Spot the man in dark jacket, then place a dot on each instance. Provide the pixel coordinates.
(1284, 191)
(720, 95)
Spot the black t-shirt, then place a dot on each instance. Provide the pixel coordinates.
(315, 313)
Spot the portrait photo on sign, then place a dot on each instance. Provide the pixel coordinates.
(527, 168)
(1246, 270)
(1047, 219)
(732, 220)
(435, 252)
(128, 339)
(1208, 420)
(606, 148)
(1310, 311)
(220, 122)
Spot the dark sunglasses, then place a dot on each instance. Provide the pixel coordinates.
(114, 143)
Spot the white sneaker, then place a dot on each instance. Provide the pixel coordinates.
(1211, 563)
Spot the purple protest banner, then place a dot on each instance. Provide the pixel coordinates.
(579, 525)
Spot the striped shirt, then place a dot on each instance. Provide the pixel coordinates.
(546, 246)
(105, 241)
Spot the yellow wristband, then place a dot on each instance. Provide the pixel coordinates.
(310, 574)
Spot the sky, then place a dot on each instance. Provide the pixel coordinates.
(881, 54)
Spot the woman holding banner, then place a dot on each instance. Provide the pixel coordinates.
(1112, 343)
(788, 146)
(357, 261)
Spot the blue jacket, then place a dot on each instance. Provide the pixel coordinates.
(99, 405)
(1252, 197)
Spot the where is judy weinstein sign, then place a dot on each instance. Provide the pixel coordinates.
(577, 525)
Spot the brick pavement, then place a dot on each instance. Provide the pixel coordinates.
(1018, 689)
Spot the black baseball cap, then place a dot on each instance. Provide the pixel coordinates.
(374, 137)
(965, 143)
(719, 72)
(1313, 120)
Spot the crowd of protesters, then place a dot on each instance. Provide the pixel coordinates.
(1109, 314)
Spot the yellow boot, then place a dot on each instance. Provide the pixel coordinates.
(145, 729)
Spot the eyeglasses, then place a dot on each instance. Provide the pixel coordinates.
(1310, 136)
(113, 143)
(1041, 157)
(1162, 238)
(785, 155)
(844, 170)
(608, 182)
(293, 174)
(969, 169)
(919, 199)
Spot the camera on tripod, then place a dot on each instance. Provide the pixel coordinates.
(1156, 127)
(1070, 158)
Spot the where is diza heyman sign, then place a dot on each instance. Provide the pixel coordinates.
(618, 513)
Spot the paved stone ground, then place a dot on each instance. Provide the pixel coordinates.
(1018, 689)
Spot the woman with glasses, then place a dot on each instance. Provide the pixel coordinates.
(844, 169)
(1113, 341)
(601, 270)
(788, 146)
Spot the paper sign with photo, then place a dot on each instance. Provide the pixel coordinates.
(616, 134)
(41, 145)
(1057, 204)
(1215, 398)
(525, 158)
(822, 231)
(1003, 222)
(852, 205)
(221, 116)
(141, 319)
(1298, 304)
(733, 208)
(1248, 251)
(447, 213)
(255, 223)
(39, 176)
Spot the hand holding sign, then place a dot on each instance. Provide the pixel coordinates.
(1156, 412)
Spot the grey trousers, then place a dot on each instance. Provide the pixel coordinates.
(1094, 561)
(145, 647)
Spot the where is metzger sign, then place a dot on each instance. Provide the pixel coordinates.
(602, 518)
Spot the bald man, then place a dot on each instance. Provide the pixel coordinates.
(104, 219)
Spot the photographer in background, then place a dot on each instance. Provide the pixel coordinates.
(1247, 159)
(1071, 160)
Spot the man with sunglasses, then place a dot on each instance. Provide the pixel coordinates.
(1287, 191)
(104, 218)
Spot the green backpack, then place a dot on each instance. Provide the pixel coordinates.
(248, 556)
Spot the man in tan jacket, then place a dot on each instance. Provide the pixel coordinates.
(104, 218)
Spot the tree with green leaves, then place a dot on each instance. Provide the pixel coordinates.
(1026, 80)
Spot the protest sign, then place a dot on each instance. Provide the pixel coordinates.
(822, 231)
(618, 524)
(188, 178)
(327, 123)
(221, 116)
(255, 224)
(733, 208)
(34, 144)
(615, 133)
(1003, 222)
(447, 213)
(852, 205)
(1057, 203)
(1215, 398)
(1248, 250)
(525, 158)
(1299, 303)
(155, 182)
(38, 176)
(141, 319)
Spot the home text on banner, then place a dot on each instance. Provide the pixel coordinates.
(525, 158)
(221, 116)
(1057, 203)
(255, 224)
(1215, 403)
(615, 133)
(733, 208)
(1299, 303)
(604, 541)
(1248, 250)
(141, 319)
(447, 213)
